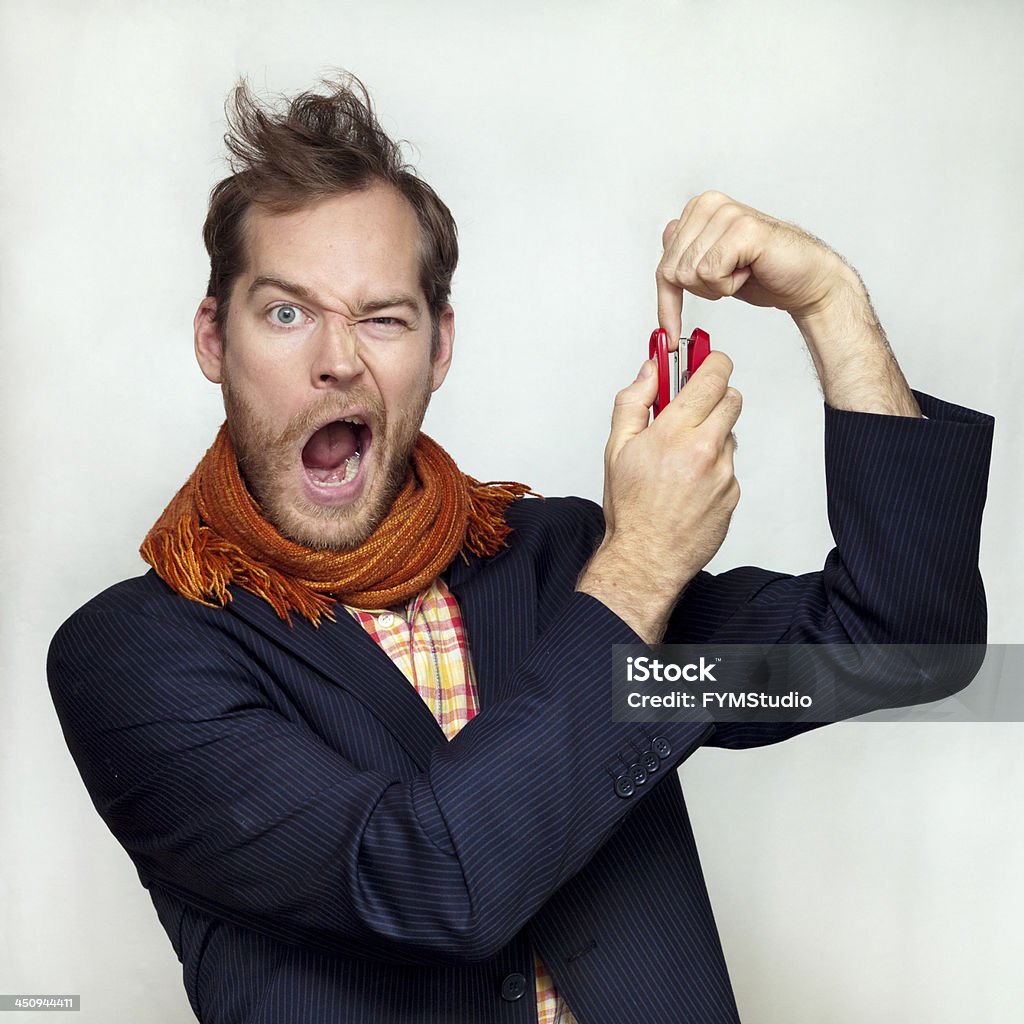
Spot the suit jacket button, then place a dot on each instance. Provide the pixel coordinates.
(661, 747)
(513, 987)
(638, 774)
(650, 760)
(624, 786)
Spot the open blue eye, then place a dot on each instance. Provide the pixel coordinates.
(285, 316)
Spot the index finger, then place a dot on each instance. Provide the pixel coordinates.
(670, 309)
(670, 295)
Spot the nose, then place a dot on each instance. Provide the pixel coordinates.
(336, 357)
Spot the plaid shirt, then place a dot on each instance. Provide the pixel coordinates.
(426, 640)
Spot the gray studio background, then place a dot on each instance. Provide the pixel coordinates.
(864, 873)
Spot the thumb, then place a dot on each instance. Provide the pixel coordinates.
(633, 407)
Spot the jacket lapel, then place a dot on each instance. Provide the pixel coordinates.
(499, 613)
(343, 653)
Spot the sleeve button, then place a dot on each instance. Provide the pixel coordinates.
(624, 786)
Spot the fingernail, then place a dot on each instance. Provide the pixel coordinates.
(646, 370)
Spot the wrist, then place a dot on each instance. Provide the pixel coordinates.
(844, 306)
(640, 592)
(851, 354)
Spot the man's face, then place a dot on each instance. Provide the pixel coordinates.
(325, 362)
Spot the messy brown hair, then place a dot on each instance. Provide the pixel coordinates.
(287, 155)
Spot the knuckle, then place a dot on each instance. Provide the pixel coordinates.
(721, 389)
(715, 385)
(711, 261)
(734, 211)
(724, 478)
(733, 496)
(705, 454)
(693, 254)
(668, 268)
(712, 197)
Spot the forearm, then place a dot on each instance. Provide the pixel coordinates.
(855, 365)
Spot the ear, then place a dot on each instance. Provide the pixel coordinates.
(209, 340)
(445, 345)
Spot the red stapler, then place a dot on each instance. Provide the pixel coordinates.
(670, 379)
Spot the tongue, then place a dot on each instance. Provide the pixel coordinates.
(330, 446)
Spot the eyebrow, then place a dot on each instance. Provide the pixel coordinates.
(358, 309)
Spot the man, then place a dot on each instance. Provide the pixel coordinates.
(323, 840)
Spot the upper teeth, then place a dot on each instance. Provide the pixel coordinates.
(357, 420)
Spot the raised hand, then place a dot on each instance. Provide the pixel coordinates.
(670, 490)
(719, 247)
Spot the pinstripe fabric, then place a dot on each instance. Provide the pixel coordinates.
(427, 643)
(316, 851)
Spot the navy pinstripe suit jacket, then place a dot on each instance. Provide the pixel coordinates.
(317, 851)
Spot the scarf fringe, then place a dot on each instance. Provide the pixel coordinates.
(487, 531)
(199, 565)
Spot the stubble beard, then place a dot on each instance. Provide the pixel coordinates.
(271, 463)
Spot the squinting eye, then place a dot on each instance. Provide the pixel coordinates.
(385, 326)
(285, 316)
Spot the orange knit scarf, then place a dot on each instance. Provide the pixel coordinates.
(213, 535)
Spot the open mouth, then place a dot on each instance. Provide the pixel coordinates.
(332, 455)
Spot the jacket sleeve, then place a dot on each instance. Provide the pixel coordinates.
(905, 503)
(244, 812)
